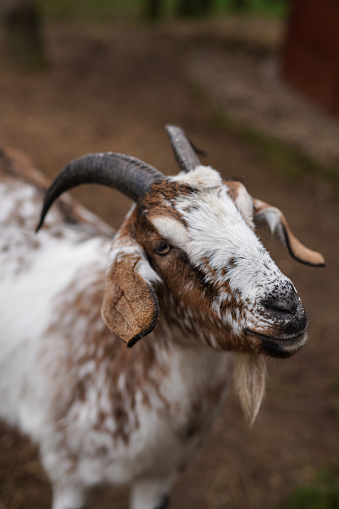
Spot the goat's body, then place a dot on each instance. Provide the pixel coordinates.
(104, 413)
(99, 412)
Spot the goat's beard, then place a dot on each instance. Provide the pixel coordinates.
(250, 381)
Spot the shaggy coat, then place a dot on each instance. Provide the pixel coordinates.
(187, 271)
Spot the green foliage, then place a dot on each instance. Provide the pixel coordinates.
(321, 493)
(107, 10)
(277, 8)
(91, 10)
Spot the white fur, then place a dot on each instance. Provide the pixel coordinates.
(223, 235)
(201, 177)
(20, 298)
(35, 368)
(245, 204)
(57, 385)
(146, 271)
(172, 230)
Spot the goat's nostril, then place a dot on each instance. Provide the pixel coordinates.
(284, 303)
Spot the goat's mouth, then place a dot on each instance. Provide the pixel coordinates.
(281, 347)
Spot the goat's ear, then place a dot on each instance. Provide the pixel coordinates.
(130, 307)
(266, 215)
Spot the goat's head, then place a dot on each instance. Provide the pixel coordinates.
(189, 243)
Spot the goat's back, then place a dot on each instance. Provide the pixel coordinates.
(34, 270)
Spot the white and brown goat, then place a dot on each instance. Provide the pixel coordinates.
(185, 269)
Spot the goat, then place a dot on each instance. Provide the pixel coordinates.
(102, 413)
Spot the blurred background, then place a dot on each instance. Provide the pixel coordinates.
(255, 83)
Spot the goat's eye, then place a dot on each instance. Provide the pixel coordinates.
(163, 249)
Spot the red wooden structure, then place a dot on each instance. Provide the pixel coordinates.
(311, 53)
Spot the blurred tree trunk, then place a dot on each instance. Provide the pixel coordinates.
(153, 9)
(194, 7)
(239, 4)
(22, 27)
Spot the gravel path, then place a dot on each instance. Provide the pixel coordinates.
(242, 75)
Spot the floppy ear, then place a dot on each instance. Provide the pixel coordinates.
(265, 214)
(130, 307)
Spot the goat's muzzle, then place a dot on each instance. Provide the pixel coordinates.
(289, 325)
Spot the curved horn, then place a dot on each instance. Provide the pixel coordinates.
(125, 173)
(184, 151)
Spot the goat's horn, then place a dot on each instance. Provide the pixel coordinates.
(184, 150)
(125, 173)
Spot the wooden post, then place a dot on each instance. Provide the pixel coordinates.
(153, 9)
(193, 7)
(239, 5)
(23, 39)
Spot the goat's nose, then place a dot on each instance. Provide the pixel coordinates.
(284, 301)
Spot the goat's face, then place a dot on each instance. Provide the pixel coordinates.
(190, 244)
(193, 236)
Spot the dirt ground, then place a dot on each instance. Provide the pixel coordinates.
(114, 88)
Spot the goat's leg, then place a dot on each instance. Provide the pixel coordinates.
(61, 466)
(163, 503)
(151, 493)
(69, 497)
